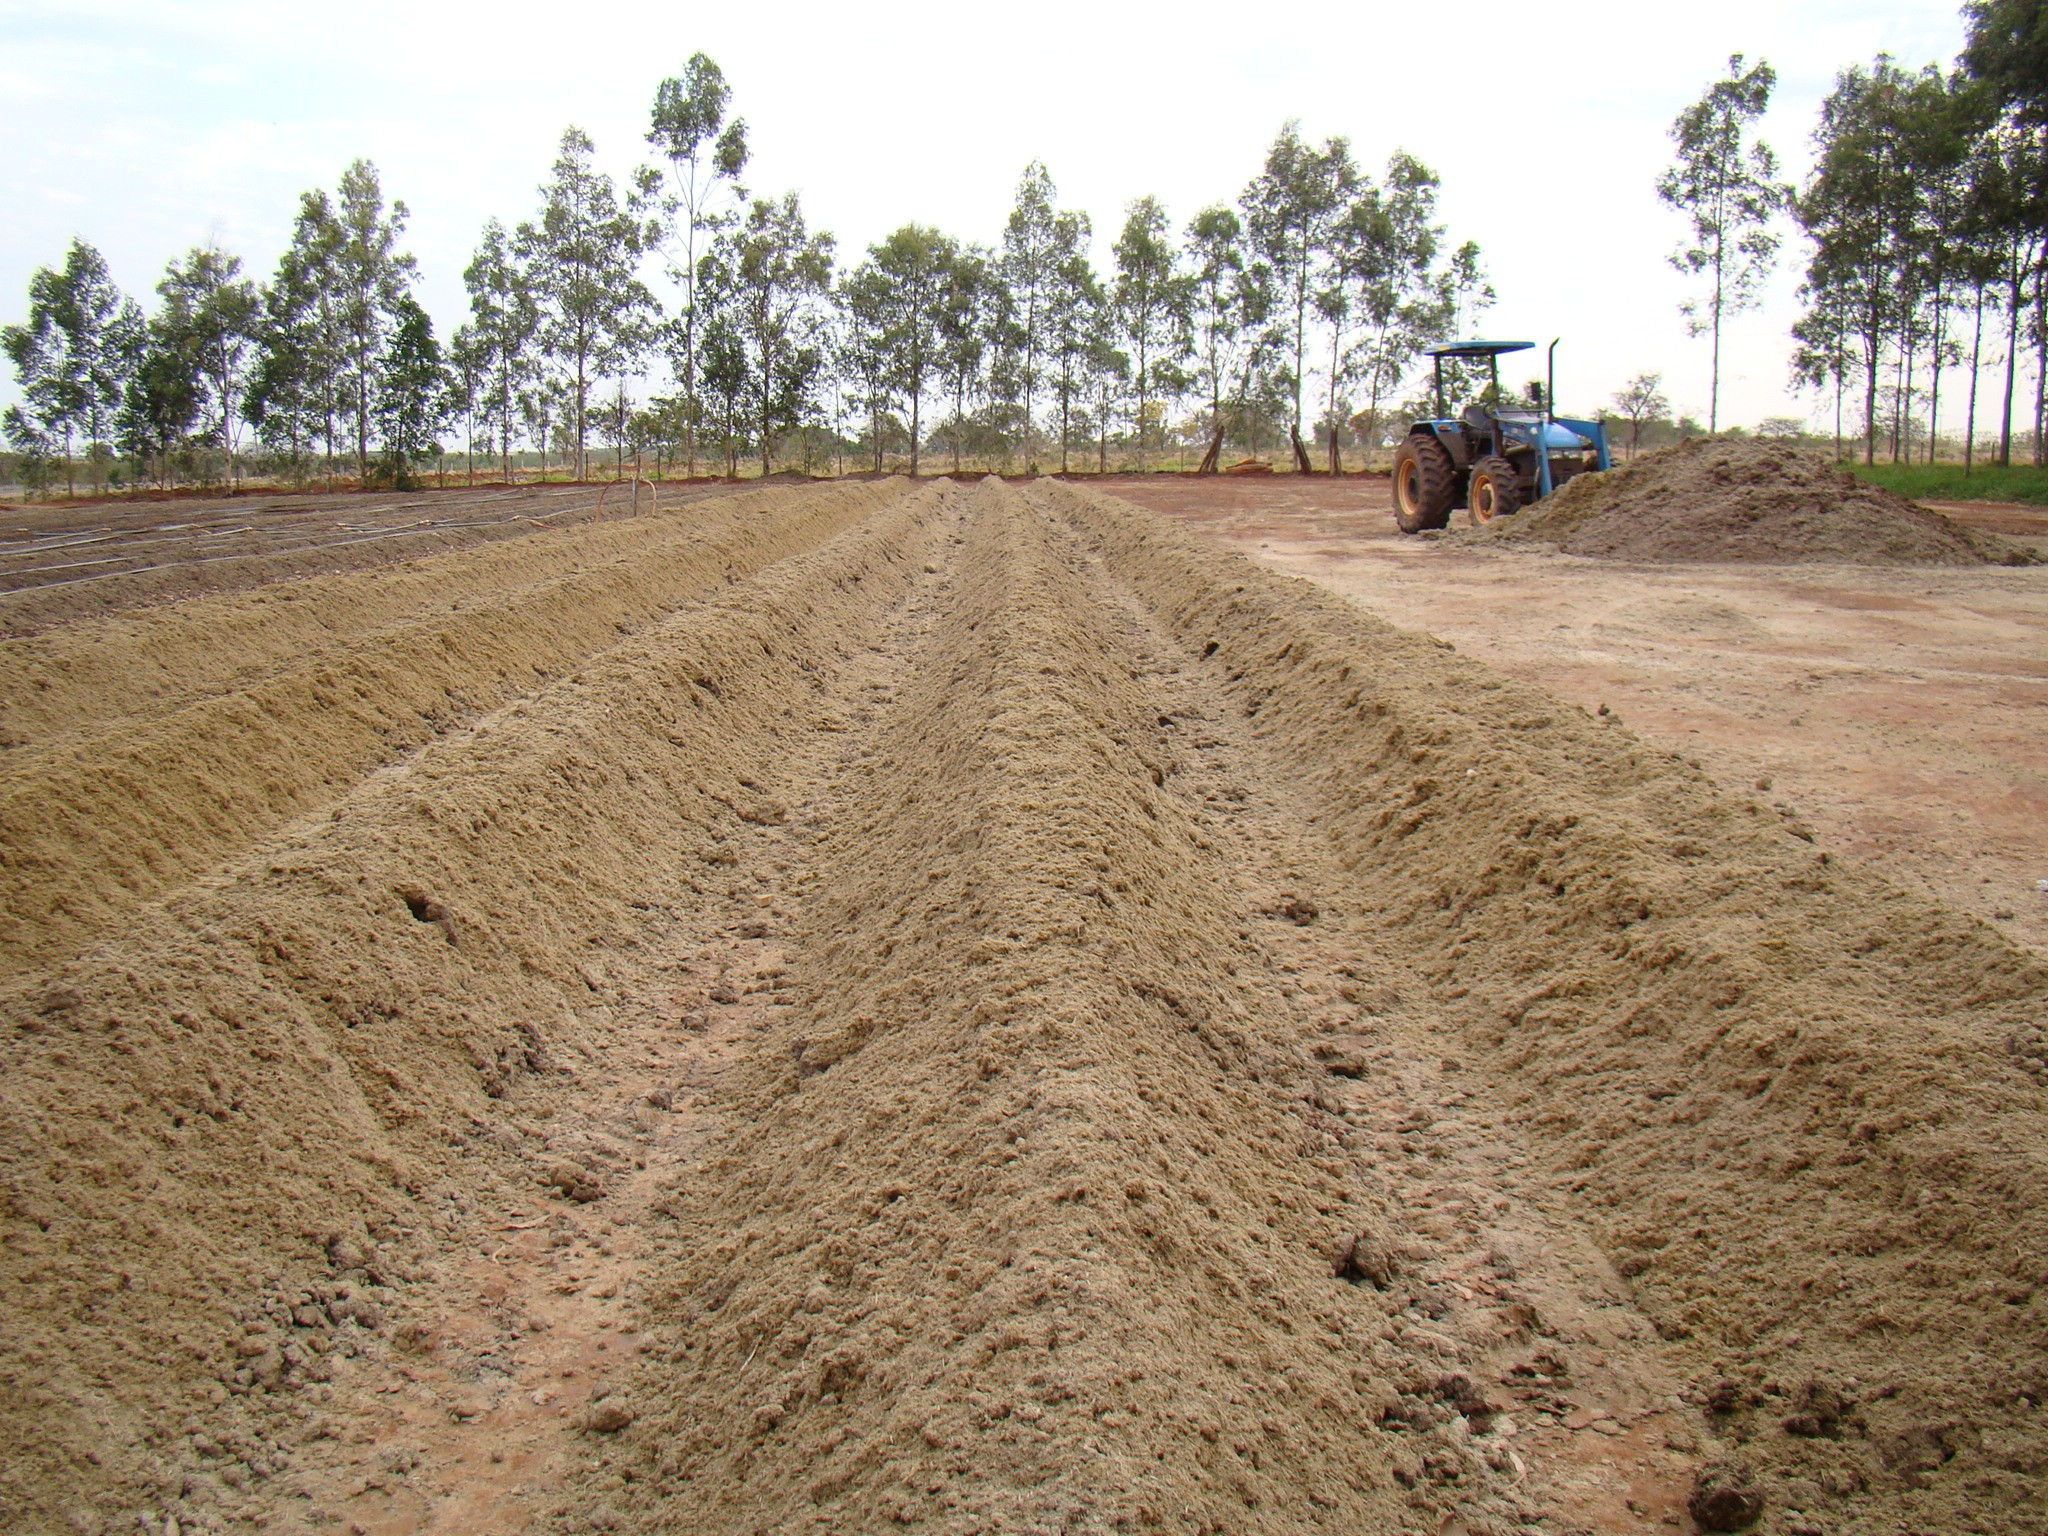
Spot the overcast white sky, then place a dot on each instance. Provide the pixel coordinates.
(148, 127)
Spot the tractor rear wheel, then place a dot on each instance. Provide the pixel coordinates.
(1495, 491)
(1424, 484)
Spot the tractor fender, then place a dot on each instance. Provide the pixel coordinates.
(1452, 435)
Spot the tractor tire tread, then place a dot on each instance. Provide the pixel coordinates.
(1507, 490)
(1436, 484)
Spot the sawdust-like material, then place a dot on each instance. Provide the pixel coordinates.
(185, 549)
(1736, 500)
(1026, 1217)
(266, 1090)
(1788, 1095)
(1026, 1228)
(127, 801)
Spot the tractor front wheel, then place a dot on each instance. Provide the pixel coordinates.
(1495, 491)
(1424, 484)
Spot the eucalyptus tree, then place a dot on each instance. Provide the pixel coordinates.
(221, 315)
(161, 402)
(1110, 375)
(776, 278)
(1216, 257)
(1391, 250)
(539, 411)
(1233, 299)
(970, 313)
(70, 357)
(1822, 358)
(1727, 186)
(501, 336)
(372, 278)
(1942, 117)
(583, 256)
(1855, 210)
(468, 373)
(706, 152)
(616, 425)
(861, 350)
(1292, 209)
(2006, 51)
(1071, 300)
(1998, 246)
(1151, 298)
(724, 372)
(293, 394)
(1029, 261)
(902, 292)
(413, 394)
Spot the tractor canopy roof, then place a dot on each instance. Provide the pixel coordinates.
(1475, 348)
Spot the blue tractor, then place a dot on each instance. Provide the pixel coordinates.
(1490, 461)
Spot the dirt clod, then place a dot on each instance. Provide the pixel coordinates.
(1725, 1498)
(608, 1417)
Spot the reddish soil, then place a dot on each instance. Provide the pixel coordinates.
(1903, 713)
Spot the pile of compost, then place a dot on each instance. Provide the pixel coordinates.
(1736, 500)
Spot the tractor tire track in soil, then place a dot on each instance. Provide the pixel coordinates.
(1011, 1019)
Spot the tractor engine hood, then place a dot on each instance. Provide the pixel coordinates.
(1554, 435)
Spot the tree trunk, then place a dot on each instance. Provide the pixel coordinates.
(1208, 464)
(1934, 370)
(959, 420)
(582, 422)
(2012, 359)
(1902, 399)
(1838, 411)
(1714, 386)
(1301, 462)
(1066, 422)
(2040, 355)
(767, 393)
(362, 422)
(916, 401)
(1976, 356)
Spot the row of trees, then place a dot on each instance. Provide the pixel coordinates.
(1293, 313)
(1926, 217)
(335, 350)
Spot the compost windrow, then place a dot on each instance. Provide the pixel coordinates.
(1734, 500)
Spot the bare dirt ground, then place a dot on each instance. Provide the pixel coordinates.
(67, 561)
(1903, 714)
(963, 1007)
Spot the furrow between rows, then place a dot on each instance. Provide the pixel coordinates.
(1024, 1216)
(224, 1104)
(111, 672)
(1785, 1095)
(94, 830)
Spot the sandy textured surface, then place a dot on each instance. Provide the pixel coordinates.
(1903, 714)
(999, 1015)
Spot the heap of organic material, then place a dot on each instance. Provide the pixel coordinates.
(1721, 499)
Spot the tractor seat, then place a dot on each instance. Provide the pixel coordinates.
(1476, 417)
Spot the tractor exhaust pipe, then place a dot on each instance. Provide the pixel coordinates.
(1549, 390)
